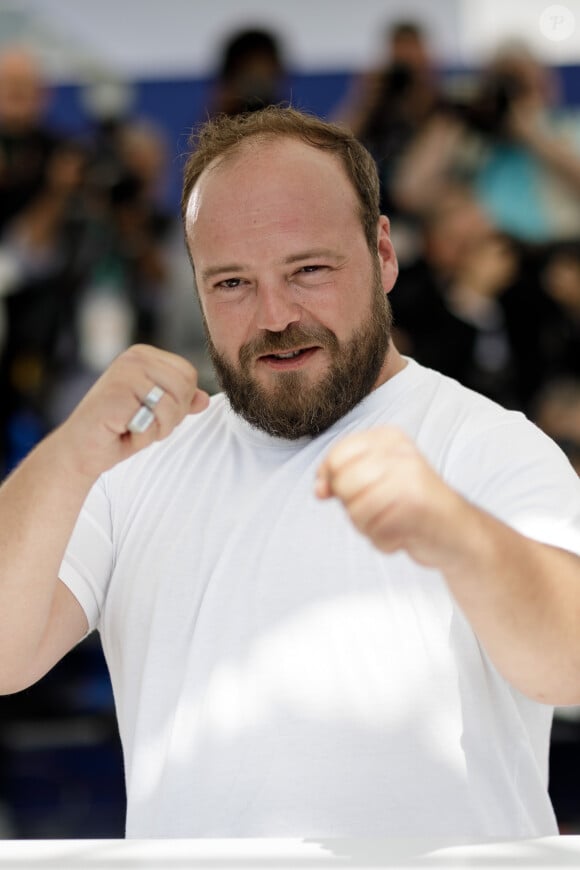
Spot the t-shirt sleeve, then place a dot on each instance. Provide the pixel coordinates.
(87, 564)
(519, 475)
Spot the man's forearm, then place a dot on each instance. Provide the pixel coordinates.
(39, 505)
(522, 599)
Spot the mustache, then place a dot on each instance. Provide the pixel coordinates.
(291, 337)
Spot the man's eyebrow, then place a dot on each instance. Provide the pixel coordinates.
(309, 254)
(312, 254)
(212, 271)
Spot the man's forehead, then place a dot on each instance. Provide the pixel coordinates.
(278, 153)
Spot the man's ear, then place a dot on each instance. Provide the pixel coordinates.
(387, 256)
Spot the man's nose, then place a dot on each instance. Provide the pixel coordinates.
(276, 306)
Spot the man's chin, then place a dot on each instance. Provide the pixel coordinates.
(283, 390)
(274, 383)
(288, 406)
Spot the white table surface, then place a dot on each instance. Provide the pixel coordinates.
(547, 852)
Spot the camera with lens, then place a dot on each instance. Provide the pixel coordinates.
(396, 82)
(488, 112)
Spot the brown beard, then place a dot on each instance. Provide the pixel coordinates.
(293, 408)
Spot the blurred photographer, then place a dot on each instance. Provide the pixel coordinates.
(125, 252)
(388, 106)
(41, 177)
(518, 150)
(251, 75)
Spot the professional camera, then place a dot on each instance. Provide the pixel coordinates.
(488, 112)
(396, 82)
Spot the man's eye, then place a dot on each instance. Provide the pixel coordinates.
(313, 273)
(230, 283)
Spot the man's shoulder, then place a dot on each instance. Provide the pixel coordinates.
(179, 448)
(438, 400)
(447, 419)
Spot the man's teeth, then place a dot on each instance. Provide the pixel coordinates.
(290, 355)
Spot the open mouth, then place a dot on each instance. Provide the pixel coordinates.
(288, 358)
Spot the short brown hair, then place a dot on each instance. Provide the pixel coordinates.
(224, 135)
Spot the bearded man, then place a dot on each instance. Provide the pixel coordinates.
(338, 599)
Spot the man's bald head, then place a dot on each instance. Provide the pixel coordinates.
(22, 90)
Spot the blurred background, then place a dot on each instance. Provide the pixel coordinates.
(472, 112)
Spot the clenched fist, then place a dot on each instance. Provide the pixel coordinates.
(97, 435)
(392, 495)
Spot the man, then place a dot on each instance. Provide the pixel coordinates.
(41, 176)
(26, 145)
(515, 146)
(338, 600)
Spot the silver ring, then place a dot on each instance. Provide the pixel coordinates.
(153, 397)
(141, 420)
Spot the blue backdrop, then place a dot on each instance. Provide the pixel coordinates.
(178, 105)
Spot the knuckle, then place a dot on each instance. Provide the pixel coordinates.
(186, 376)
(135, 352)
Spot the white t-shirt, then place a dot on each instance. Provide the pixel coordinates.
(275, 674)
